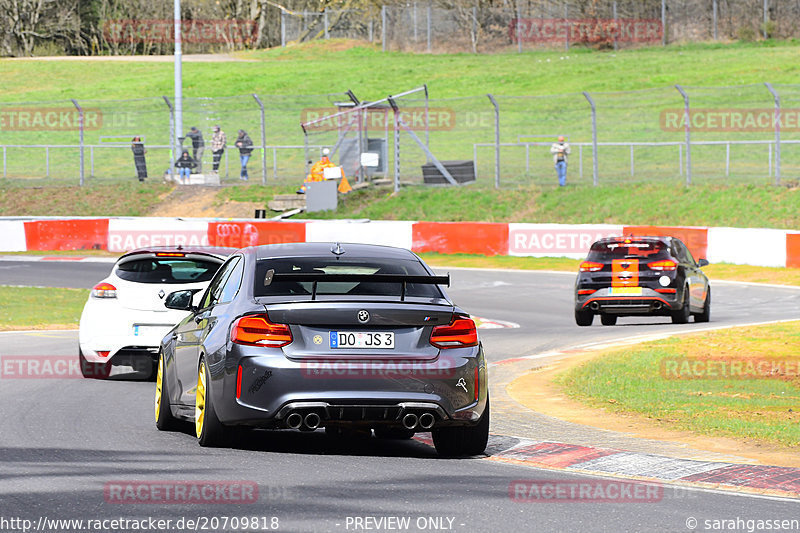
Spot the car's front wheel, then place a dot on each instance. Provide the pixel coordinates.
(584, 318)
(208, 428)
(164, 418)
(93, 370)
(461, 441)
(608, 320)
(681, 316)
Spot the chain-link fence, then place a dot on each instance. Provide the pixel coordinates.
(475, 26)
(746, 133)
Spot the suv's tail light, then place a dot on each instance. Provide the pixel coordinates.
(666, 264)
(104, 290)
(459, 333)
(257, 330)
(591, 266)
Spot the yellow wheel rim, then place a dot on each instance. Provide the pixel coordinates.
(200, 400)
(159, 379)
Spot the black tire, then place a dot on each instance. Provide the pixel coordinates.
(165, 421)
(608, 320)
(463, 441)
(681, 316)
(584, 318)
(93, 370)
(208, 429)
(390, 433)
(705, 316)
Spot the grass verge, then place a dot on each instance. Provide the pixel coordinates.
(40, 308)
(121, 199)
(682, 382)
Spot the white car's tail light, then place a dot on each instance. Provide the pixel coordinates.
(104, 290)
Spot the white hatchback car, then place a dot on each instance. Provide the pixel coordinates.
(124, 319)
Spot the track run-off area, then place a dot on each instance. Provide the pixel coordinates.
(79, 449)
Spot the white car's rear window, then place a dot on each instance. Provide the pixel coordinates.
(167, 270)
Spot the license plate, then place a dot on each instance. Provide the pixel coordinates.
(149, 330)
(362, 339)
(625, 291)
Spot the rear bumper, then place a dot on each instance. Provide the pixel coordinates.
(356, 393)
(649, 302)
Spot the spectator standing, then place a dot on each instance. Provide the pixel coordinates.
(245, 146)
(137, 146)
(198, 145)
(560, 151)
(218, 142)
(185, 164)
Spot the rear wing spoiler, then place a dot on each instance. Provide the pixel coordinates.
(271, 276)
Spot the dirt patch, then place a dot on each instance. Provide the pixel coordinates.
(537, 392)
(203, 202)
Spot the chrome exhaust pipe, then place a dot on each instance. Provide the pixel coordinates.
(426, 420)
(410, 421)
(294, 420)
(594, 306)
(312, 420)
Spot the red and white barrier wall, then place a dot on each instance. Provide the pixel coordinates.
(761, 247)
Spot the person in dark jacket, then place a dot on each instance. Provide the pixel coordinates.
(198, 145)
(245, 146)
(137, 146)
(185, 164)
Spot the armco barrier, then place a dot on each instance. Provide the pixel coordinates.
(760, 247)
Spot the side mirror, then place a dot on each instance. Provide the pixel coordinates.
(181, 300)
(702, 262)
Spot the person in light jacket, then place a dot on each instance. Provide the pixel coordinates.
(218, 142)
(560, 151)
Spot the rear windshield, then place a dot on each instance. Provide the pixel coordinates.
(167, 270)
(327, 265)
(606, 251)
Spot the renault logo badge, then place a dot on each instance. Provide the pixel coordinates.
(363, 316)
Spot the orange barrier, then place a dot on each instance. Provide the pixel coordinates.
(793, 250)
(76, 234)
(240, 234)
(460, 238)
(696, 239)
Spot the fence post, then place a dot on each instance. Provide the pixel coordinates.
(414, 22)
(172, 145)
(714, 14)
(616, 23)
(777, 99)
(80, 128)
(766, 17)
(687, 119)
(396, 148)
(566, 25)
(283, 29)
(263, 141)
(474, 30)
(664, 22)
(383, 27)
(517, 28)
(430, 14)
(496, 141)
(325, 22)
(594, 138)
(427, 120)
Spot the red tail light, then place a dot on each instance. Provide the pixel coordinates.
(257, 330)
(591, 266)
(459, 333)
(104, 290)
(477, 382)
(104, 353)
(584, 292)
(666, 291)
(666, 264)
(239, 382)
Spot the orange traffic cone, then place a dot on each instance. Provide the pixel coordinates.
(344, 186)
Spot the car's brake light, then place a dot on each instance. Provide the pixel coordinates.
(459, 333)
(666, 264)
(477, 382)
(104, 290)
(103, 353)
(591, 266)
(584, 292)
(257, 330)
(239, 382)
(170, 254)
